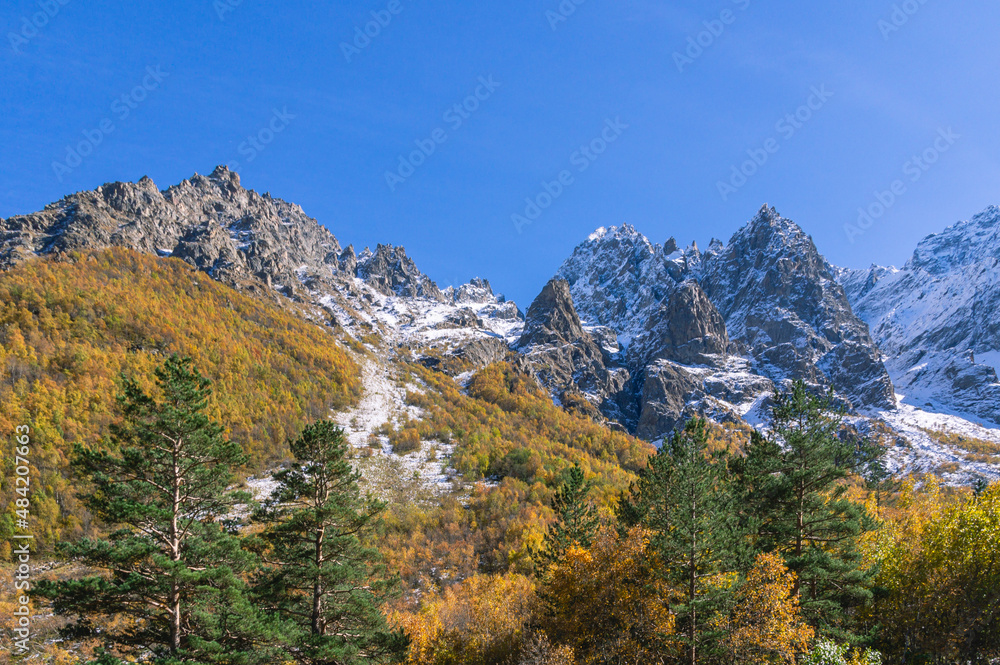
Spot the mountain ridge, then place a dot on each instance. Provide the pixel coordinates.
(647, 334)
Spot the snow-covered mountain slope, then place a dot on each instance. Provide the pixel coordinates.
(785, 309)
(938, 318)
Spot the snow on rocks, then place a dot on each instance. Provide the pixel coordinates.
(927, 454)
(384, 402)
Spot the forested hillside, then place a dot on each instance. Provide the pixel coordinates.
(560, 540)
(69, 328)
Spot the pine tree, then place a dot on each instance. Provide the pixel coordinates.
(175, 566)
(325, 577)
(793, 484)
(684, 499)
(576, 519)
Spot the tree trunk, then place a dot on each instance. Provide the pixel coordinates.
(318, 625)
(175, 553)
(693, 582)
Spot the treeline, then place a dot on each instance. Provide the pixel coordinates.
(796, 548)
(70, 327)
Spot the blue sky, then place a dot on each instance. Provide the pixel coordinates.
(888, 81)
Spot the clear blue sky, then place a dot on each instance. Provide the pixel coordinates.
(892, 92)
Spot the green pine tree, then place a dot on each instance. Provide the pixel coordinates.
(325, 576)
(175, 567)
(684, 498)
(793, 486)
(576, 519)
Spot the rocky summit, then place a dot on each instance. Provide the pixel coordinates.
(638, 334)
(714, 331)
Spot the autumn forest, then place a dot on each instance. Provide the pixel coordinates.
(153, 393)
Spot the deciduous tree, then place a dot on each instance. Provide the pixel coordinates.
(765, 624)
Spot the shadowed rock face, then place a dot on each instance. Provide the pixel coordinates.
(686, 328)
(562, 354)
(552, 319)
(783, 306)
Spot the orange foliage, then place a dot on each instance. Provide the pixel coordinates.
(610, 603)
(68, 329)
(766, 625)
(481, 621)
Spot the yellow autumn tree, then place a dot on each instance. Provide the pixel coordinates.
(609, 602)
(481, 621)
(765, 624)
(940, 576)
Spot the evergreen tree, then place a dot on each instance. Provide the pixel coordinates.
(576, 519)
(684, 498)
(793, 483)
(325, 577)
(175, 566)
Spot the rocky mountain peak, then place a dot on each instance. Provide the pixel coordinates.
(390, 271)
(566, 357)
(552, 319)
(478, 290)
(959, 245)
(783, 306)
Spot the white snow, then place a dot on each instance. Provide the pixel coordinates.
(927, 454)
(384, 401)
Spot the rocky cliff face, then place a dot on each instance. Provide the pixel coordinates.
(713, 331)
(936, 318)
(566, 357)
(785, 310)
(235, 235)
(263, 244)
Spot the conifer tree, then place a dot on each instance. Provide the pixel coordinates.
(325, 575)
(684, 499)
(793, 485)
(175, 567)
(576, 522)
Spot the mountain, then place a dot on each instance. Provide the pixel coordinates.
(261, 244)
(636, 335)
(784, 307)
(713, 332)
(936, 318)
